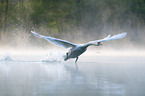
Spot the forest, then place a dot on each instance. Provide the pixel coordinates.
(73, 20)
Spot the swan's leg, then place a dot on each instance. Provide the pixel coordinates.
(76, 60)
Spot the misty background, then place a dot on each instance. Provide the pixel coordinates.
(78, 21)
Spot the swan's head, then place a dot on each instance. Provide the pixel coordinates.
(66, 57)
(99, 43)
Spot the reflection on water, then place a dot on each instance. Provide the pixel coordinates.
(102, 76)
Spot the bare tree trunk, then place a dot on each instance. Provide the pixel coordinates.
(2, 24)
(78, 15)
(22, 3)
(6, 14)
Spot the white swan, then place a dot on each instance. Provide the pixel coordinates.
(77, 49)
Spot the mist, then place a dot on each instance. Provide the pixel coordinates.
(31, 66)
(76, 21)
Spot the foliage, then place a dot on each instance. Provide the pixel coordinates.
(65, 17)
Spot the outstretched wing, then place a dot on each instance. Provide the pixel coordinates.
(109, 37)
(55, 41)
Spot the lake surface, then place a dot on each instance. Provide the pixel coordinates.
(93, 76)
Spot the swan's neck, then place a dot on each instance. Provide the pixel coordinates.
(88, 44)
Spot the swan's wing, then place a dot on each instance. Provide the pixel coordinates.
(109, 37)
(55, 41)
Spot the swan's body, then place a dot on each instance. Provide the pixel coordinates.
(77, 49)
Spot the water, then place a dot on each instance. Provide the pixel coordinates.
(93, 76)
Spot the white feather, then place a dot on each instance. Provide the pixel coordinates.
(55, 41)
(109, 37)
(66, 44)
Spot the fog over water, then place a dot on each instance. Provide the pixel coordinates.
(38, 68)
(31, 66)
(95, 75)
(103, 70)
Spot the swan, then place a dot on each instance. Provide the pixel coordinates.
(77, 49)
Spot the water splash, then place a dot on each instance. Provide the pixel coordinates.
(53, 57)
(6, 58)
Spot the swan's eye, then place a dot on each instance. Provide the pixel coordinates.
(99, 43)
